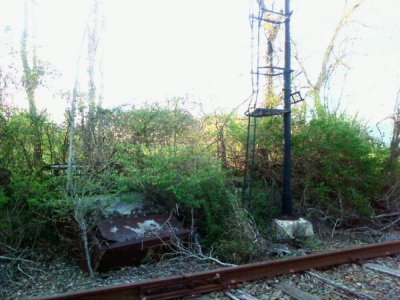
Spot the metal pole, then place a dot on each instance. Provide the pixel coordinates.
(287, 209)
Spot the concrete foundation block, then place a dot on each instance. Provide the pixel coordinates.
(300, 228)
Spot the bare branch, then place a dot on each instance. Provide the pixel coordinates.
(324, 73)
(15, 259)
(303, 69)
(176, 247)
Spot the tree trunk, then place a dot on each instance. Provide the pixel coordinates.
(271, 32)
(395, 141)
(93, 43)
(71, 133)
(31, 82)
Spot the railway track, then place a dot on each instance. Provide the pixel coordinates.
(349, 281)
(295, 278)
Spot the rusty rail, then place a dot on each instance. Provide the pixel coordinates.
(209, 281)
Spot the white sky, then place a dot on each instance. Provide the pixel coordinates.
(201, 49)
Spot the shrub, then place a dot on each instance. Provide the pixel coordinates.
(192, 179)
(336, 165)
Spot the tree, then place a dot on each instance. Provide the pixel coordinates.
(78, 191)
(94, 26)
(71, 133)
(10, 72)
(395, 140)
(272, 30)
(331, 60)
(31, 79)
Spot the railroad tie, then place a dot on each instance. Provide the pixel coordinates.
(294, 292)
(240, 295)
(341, 286)
(231, 296)
(383, 269)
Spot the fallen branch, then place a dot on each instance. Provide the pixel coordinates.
(177, 247)
(19, 268)
(16, 259)
(9, 247)
(391, 224)
(334, 227)
(388, 215)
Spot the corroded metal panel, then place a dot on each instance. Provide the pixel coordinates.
(133, 228)
(125, 241)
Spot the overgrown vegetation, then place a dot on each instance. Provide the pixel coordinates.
(338, 162)
(169, 155)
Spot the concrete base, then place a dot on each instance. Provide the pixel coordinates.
(300, 228)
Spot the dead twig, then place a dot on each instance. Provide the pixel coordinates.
(16, 259)
(19, 268)
(177, 248)
(388, 215)
(391, 224)
(334, 227)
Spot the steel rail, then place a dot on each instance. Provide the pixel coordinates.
(226, 278)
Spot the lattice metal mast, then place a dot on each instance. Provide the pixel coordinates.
(253, 112)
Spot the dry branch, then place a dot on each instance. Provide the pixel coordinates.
(176, 247)
(329, 63)
(15, 259)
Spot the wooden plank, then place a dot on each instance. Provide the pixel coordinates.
(245, 295)
(240, 295)
(342, 286)
(231, 296)
(383, 269)
(294, 292)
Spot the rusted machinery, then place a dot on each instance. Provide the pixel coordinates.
(127, 240)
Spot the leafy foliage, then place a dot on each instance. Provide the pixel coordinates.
(182, 161)
(193, 179)
(337, 162)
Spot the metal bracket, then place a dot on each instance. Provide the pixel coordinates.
(267, 74)
(271, 68)
(268, 20)
(296, 97)
(265, 112)
(275, 12)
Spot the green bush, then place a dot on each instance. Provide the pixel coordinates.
(337, 165)
(192, 178)
(166, 152)
(266, 206)
(4, 199)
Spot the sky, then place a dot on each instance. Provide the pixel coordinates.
(153, 50)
